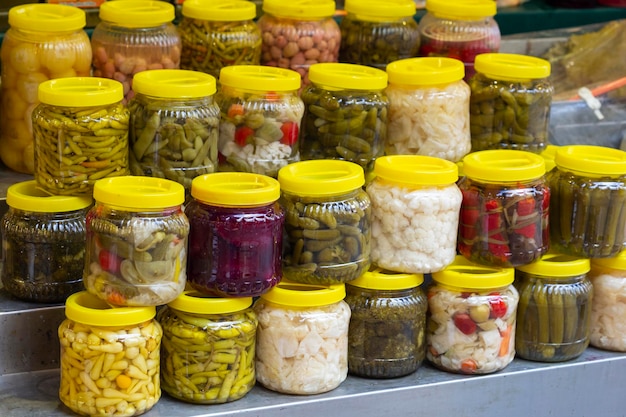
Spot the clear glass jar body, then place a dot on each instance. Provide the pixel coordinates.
(386, 338)
(28, 59)
(608, 310)
(471, 331)
(214, 353)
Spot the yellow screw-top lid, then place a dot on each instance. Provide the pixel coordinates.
(503, 165)
(300, 9)
(553, 265)
(549, 153)
(174, 83)
(137, 13)
(503, 66)
(460, 9)
(27, 196)
(617, 262)
(347, 76)
(47, 17)
(416, 170)
(137, 193)
(235, 189)
(381, 9)
(80, 92)
(260, 78)
(321, 177)
(195, 302)
(464, 274)
(381, 279)
(591, 160)
(294, 294)
(220, 10)
(425, 71)
(83, 307)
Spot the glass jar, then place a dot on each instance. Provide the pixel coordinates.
(459, 29)
(260, 120)
(136, 241)
(236, 234)
(587, 210)
(504, 213)
(43, 243)
(386, 337)
(327, 222)
(44, 41)
(554, 310)
(345, 114)
(174, 125)
(428, 108)
(216, 35)
(375, 33)
(299, 33)
(134, 36)
(302, 338)
(510, 102)
(109, 358)
(415, 213)
(208, 348)
(471, 319)
(81, 134)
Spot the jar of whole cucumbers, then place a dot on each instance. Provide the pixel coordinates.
(554, 310)
(587, 208)
(208, 348)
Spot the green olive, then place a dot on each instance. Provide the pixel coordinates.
(479, 313)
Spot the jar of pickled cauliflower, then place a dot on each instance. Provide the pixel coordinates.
(208, 348)
(554, 310)
(236, 234)
(110, 358)
(43, 42)
(415, 213)
(136, 241)
(327, 222)
(302, 338)
(472, 318)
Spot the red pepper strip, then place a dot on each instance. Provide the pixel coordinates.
(525, 206)
(527, 231)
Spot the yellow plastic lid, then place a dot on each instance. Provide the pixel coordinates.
(343, 76)
(294, 294)
(321, 177)
(381, 279)
(137, 13)
(416, 170)
(174, 83)
(260, 78)
(462, 8)
(300, 9)
(27, 196)
(425, 71)
(503, 66)
(503, 165)
(549, 153)
(44, 17)
(137, 193)
(591, 160)
(83, 307)
(381, 9)
(219, 10)
(235, 189)
(464, 274)
(80, 92)
(617, 262)
(554, 265)
(195, 302)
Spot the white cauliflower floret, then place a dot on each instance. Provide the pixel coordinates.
(608, 309)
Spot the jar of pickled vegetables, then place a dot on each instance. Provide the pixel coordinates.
(415, 213)
(554, 310)
(345, 114)
(174, 125)
(459, 29)
(43, 243)
(134, 36)
(327, 221)
(587, 208)
(428, 108)
(81, 134)
(208, 348)
(236, 234)
(510, 101)
(504, 213)
(375, 33)
(136, 241)
(386, 337)
(110, 357)
(302, 338)
(471, 321)
(44, 41)
(218, 34)
(299, 33)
